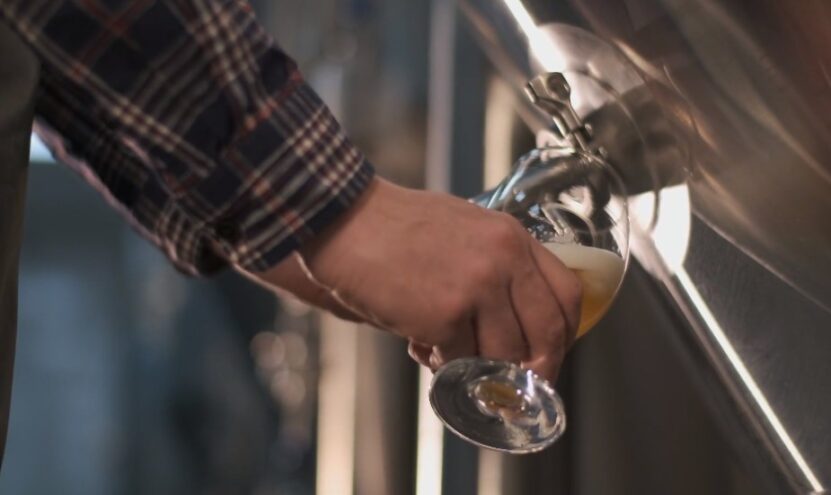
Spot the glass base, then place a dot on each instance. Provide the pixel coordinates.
(497, 405)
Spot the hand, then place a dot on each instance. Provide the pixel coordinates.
(291, 278)
(451, 277)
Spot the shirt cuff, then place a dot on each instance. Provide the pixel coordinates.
(290, 175)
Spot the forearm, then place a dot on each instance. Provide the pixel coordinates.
(193, 123)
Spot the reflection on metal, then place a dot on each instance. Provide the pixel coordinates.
(606, 92)
(661, 262)
(336, 406)
(545, 52)
(748, 384)
(755, 84)
(668, 232)
(718, 109)
(552, 93)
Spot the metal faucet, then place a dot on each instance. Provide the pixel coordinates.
(552, 94)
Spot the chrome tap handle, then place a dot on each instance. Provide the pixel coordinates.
(552, 94)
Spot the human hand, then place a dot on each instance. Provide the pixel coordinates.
(291, 278)
(455, 279)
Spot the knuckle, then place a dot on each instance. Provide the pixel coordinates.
(505, 233)
(484, 271)
(453, 309)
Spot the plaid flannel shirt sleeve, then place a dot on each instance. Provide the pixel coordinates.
(192, 122)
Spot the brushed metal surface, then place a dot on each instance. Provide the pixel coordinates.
(717, 109)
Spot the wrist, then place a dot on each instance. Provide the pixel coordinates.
(344, 237)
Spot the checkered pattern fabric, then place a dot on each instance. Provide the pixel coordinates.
(192, 122)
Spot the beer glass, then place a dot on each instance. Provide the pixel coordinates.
(572, 201)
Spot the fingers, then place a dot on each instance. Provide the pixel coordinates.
(530, 319)
(565, 286)
(492, 332)
(498, 332)
(543, 324)
(421, 354)
(462, 344)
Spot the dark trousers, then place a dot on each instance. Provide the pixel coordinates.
(18, 82)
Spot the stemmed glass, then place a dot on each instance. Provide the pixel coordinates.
(572, 201)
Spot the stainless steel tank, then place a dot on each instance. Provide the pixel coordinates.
(718, 114)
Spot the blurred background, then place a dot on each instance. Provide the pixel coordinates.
(131, 379)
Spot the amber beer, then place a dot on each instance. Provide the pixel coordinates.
(600, 271)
